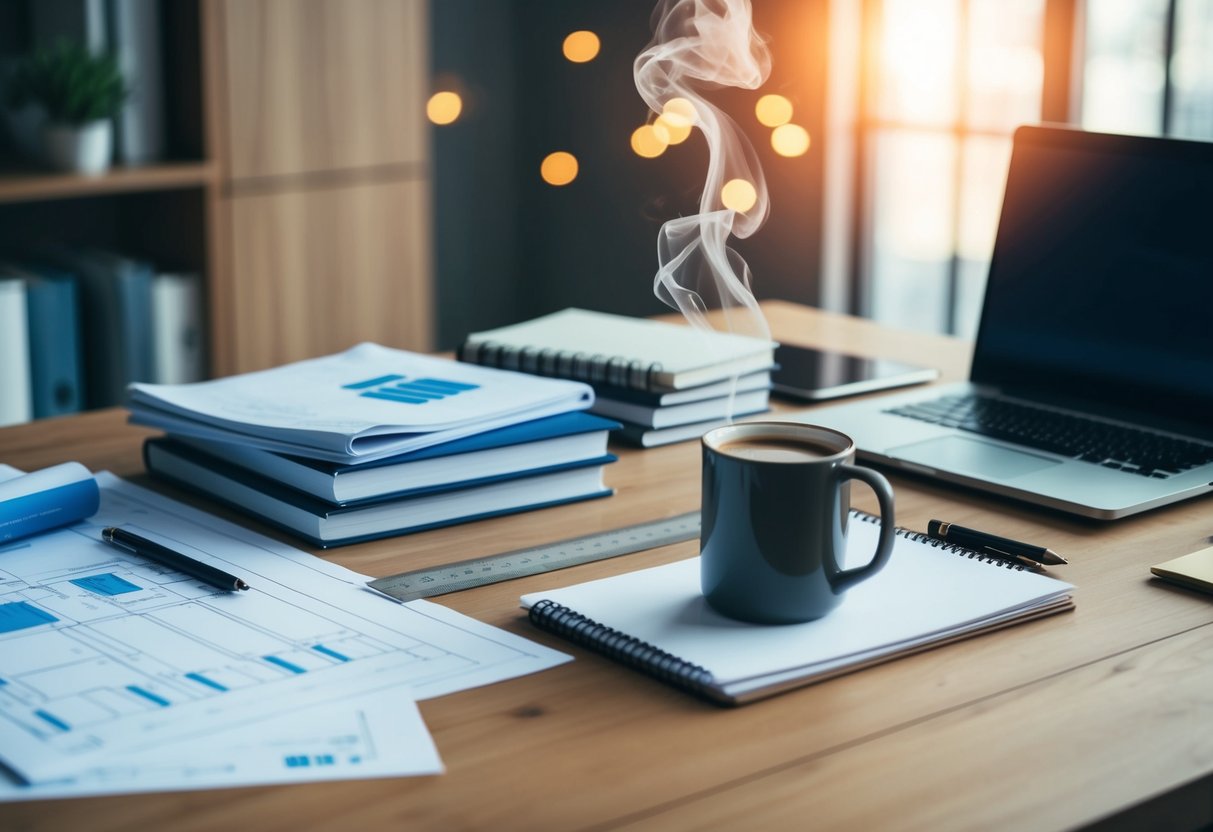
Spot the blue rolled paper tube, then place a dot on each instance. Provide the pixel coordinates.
(46, 499)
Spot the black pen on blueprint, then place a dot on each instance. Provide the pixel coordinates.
(150, 549)
(992, 544)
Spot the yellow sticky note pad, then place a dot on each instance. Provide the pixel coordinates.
(1194, 570)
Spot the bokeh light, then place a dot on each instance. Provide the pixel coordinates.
(679, 112)
(773, 110)
(650, 140)
(444, 107)
(559, 168)
(739, 195)
(675, 133)
(581, 46)
(790, 140)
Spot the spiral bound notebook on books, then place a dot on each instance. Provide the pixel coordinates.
(931, 593)
(619, 351)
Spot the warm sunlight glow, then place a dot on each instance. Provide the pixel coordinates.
(790, 140)
(444, 107)
(773, 110)
(918, 61)
(559, 168)
(739, 195)
(650, 140)
(581, 46)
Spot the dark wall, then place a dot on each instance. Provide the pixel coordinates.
(509, 246)
(476, 263)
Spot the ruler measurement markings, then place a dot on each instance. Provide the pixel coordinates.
(453, 577)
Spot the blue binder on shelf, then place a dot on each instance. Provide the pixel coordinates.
(54, 342)
(116, 320)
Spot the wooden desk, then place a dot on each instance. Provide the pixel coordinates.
(1053, 724)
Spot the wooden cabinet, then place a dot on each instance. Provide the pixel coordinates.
(322, 86)
(326, 182)
(315, 271)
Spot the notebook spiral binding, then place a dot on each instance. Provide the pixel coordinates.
(617, 371)
(942, 545)
(637, 654)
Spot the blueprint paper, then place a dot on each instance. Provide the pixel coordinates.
(374, 735)
(103, 653)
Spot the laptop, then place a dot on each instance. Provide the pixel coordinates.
(1091, 388)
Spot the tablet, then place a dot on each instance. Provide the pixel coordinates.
(814, 375)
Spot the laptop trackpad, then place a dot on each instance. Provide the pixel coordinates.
(971, 456)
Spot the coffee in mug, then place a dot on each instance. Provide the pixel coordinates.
(774, 512)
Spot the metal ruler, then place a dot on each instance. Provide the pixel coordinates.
(452, 577)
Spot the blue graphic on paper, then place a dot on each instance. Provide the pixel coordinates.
(20, 615)
(149, 696)
(284, 664)
(397, 388)
(106, 584)
(330, 652)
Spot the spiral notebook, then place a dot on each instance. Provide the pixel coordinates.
(931, 593)
(600, 348)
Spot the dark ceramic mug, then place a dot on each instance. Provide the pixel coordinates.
(774, 512)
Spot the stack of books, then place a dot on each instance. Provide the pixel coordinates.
(375, 442)
(664, 382)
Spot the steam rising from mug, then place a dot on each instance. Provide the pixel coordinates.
(708, 44)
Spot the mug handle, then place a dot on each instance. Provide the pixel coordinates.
(847, 578)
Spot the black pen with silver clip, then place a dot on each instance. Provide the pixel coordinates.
(991, 544)
(150, 549)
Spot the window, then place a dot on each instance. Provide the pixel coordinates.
(924, 98)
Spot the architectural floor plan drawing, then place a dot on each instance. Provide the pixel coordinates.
(102, 652)
(374, 735)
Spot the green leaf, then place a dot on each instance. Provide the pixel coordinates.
(73, 85)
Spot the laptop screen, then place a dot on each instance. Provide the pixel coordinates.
(1101, 283)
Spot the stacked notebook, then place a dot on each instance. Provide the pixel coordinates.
(931, 593)
(664, 382)
(375, 442)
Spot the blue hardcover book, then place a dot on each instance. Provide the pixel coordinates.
(323, 524)
(54, 342)
(552, 442)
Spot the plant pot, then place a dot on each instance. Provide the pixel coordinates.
(85, 149)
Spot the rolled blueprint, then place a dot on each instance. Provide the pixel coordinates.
(46, 499)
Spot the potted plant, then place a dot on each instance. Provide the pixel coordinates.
(79, 94)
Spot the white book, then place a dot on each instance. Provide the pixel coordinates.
(644, 437)
(369, 402)
(16, 392)
(930, 593)
(616, 350)
(682, 414)
(728, 387)
(178, 343)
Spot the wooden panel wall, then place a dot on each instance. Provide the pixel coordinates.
(326, 178)
(321, 270)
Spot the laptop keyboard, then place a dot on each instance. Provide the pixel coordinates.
(1113, 446)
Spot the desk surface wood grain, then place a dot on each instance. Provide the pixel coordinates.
(1053, 724)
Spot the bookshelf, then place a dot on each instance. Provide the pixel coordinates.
(30, 184)
(296, 179)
